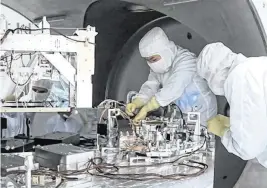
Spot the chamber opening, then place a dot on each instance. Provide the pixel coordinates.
(120, 27)
(116, 22)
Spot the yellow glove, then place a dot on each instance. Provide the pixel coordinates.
(135, 104)
(10, 98)
(219, 125)
(150, 106)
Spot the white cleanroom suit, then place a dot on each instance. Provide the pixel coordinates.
(243, 81)
(63, 122)
(16, 122)
(40, 90)
(173, 78)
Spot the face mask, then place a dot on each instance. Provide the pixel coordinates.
(161, 66)
(157, 67)
(40, 96)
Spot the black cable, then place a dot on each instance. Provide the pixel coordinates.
(5, 35)
(152, 176)
(28, 29)
(111, 171)
(71, 178)
(181, 113)
(62, 181)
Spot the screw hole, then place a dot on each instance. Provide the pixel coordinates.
(224, 177)
(189, 36)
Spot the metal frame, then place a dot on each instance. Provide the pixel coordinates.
(38, 109)
(80, 78)
(196, 121)
(28, 165)
(112, 122)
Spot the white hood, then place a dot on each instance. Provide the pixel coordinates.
(156, 42)
(214, 64)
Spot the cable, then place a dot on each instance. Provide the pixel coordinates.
(62, 181)
(56, 31)
(110, 101)
(102, 114)
(28, 29)
(111, 171)
(5, 35)
(107, 104)
(100, 169)
(181, 113)
(171, 162)
(146, 176)
(201, 167)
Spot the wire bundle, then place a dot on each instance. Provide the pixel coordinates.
(113, 171)
(99, 169)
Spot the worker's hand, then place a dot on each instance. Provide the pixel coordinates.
(219, 125)
(10, 98)
(131, 107)
(150, 106)
(140, 116)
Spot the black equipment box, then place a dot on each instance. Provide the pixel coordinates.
(57, 138)
(11, 145)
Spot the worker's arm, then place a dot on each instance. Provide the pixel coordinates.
(151, 105)
(147, 91)
(246, 92)
(149, 88)
(181, 75)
